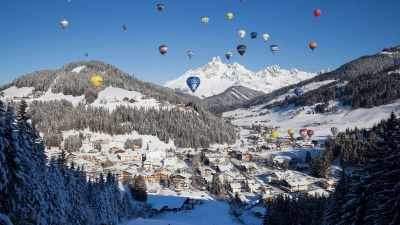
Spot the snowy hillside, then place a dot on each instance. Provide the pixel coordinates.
(216, 77)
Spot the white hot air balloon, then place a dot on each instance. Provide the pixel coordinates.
(241, 33)
(265, 37)
(64, 23)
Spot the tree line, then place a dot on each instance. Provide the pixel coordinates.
(369, 195)
(37, 190)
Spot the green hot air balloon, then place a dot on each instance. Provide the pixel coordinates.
(204, 20)
(266, 135)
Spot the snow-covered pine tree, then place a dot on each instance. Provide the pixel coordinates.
(3, 145)
(14, 197)
(332, 213)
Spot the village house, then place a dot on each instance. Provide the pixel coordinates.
(295, 184)
(126, 174)
(226, 177)
(269, 197)
(280, 176)
(156, 155)
(159, 177)
(254, 187)
(205, 171)
(235, 187)
(170, 162)
(249, 167)
(130, 156)
(329, 184)
(135, 147)
(147, 165)
(157, 165)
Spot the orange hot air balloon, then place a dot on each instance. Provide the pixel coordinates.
(313, 45)
(317, 13)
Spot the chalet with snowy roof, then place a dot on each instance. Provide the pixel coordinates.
(126, 174)
(295, 184)
(130, 156)
(170, 162)
(159, 177)
(282, 175)
(329, 184)
(147, 165)
(156, 165)
(239, 178)
(235, 187)
(224, 167)
(249, 167)
(254, 187)
(269, 197)
(156, 155)
(206, 171)
(167, 202)
(226, 177)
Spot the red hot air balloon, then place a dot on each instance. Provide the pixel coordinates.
(317, 13)
(310, 133)
(303, 133)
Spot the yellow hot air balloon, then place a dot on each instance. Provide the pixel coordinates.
(291, 132)
(97, 80)
(229, 16)
(274, 134)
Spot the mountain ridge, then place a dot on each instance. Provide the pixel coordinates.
(216, 77)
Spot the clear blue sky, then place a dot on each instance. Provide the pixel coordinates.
(32, 39)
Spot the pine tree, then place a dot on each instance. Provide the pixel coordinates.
(335, 201)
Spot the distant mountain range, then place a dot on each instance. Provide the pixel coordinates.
(217, 77)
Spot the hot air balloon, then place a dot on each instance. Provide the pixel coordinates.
(291, 132)
(163, 49)
(193, 83)
(265, 37)
(241, 49)
(313, 45)
(242, 1)
(190, 53)
(241, 33)
(86, 54)
(334, 130)
(228, 55)
(124, 27)
(317, 13)
(64, 23)
(204, 20)
(273, 48)
(160, 7)
(298, 91)
(303, 133)
(229, 16)
(97, 81)
(254, 35)
(274, 134)
(266, 135)
(310, 133)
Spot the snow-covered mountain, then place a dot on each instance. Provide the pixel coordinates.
(216, 77)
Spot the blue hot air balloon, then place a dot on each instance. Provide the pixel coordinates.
(193, 83)
(298, 91)
(86, 54)
(190, 53)
(228, 55)
(254, 35)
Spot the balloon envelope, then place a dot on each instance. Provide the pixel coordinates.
(163, 49)
(298, 91)
(274, 48)
(97, 81)
(313, 45)
(241, 49)
(193, 83)
(303, 132)
(64, 23)
(190, 53)
(254, 35)
(160, 7)
(229, 16)
(274, 134)
(265, 37)
(317, 13)
(204, 20)
(291, 132)
(86, 54)
(266, 135)
(241, 33)
(228, 55)
(310, 133)
(124, 27)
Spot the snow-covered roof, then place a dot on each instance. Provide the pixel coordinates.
(297, 181)
(171, 202)
(235, 185)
